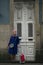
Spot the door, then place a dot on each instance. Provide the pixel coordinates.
(24, 24)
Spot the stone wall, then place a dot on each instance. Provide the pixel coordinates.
(42, 29)
(37, 25)
(11, 14)
(5, 30)
(4, 35)
(42, 19)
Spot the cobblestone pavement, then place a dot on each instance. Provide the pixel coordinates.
(21, 64)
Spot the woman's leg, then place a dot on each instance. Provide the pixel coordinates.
(14, 57)
(11, 57)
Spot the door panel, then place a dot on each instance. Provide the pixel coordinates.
(30, 30)
(19, 29)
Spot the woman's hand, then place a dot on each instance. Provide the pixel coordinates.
(7, 47)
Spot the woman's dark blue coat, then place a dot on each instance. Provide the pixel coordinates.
(15, 40)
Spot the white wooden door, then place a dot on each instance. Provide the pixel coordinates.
(24, 24)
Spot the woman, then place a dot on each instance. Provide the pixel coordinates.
(13, 45)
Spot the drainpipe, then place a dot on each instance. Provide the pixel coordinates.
(40, 19)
